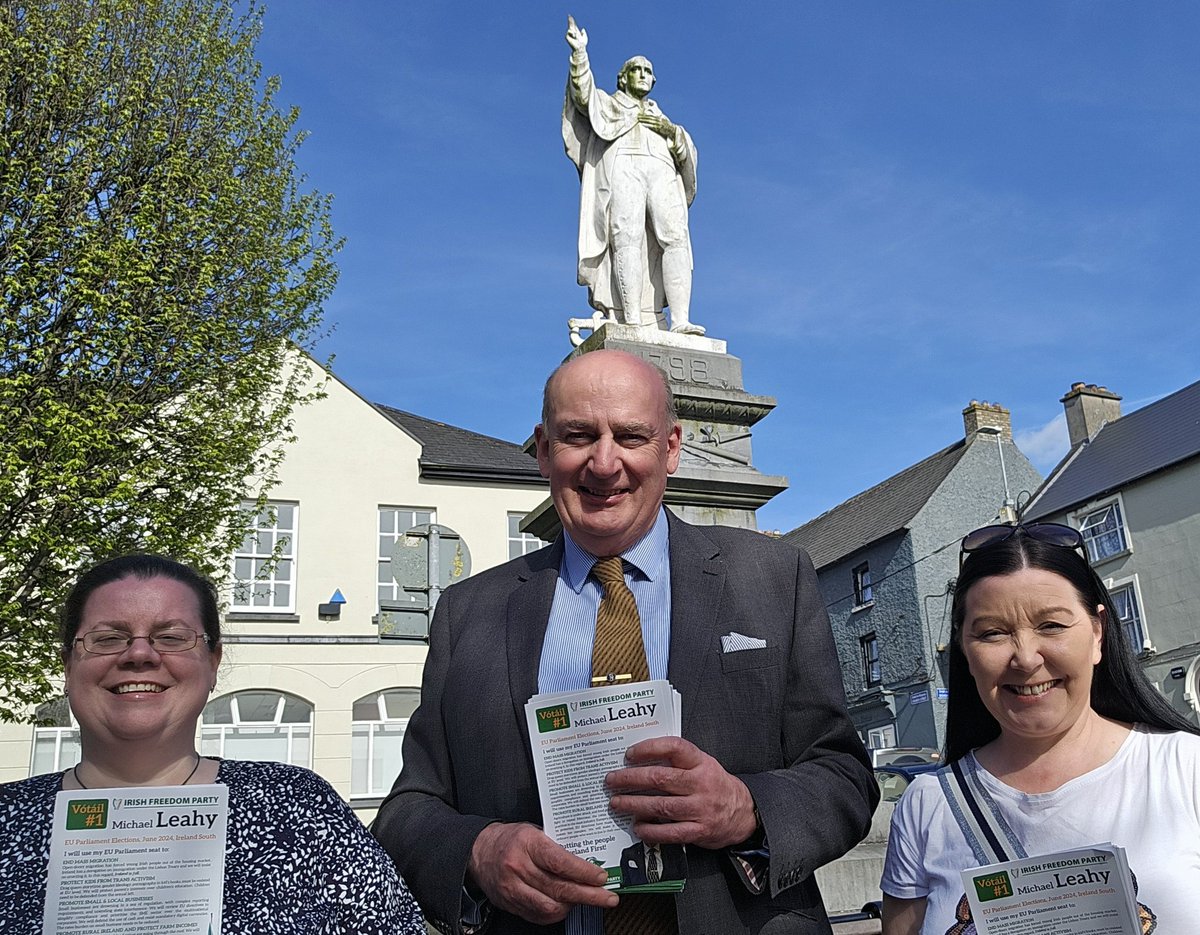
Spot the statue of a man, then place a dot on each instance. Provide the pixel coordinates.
(637, 174)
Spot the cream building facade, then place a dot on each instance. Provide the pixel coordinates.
(306, 677)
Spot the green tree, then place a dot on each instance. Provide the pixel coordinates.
(160, 267)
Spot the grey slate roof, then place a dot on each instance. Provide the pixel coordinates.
(1145, 441)
(451, 453)
(876, 513)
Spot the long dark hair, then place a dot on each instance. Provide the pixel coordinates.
(1120, 690)
(144, 566)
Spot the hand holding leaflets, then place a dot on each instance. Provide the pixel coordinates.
(578, 739)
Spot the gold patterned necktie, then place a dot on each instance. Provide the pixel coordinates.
(618, 654)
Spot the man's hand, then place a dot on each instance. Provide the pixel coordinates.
(658, 123)
(522, 871)
(690, 800)
(576, 37)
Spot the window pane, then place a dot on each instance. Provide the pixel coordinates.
(296, 710)
(358, 758)
(366, 709)
(1125, 602)
(257, 706)
(54, 749)
(217, 711)
(401, 703)
(1103, 532)
(385, 764)
(257, 743)
(301, 745)
(393, 523)
(44, 760)
(258, 584)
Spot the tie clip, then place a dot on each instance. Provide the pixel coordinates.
(612, 677)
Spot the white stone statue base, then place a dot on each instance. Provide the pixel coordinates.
(644, 334)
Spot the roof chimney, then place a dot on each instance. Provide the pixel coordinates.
(1088, 407)
(993, 416)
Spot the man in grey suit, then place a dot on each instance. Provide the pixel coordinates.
(769, 780)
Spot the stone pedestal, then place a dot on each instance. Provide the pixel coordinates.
(717, 483)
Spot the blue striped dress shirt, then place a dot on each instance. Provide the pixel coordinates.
(566, 663)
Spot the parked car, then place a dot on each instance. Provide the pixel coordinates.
(894, 778)
(904, 756)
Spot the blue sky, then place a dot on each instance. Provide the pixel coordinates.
(902, 206)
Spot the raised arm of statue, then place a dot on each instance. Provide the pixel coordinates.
(581, 83)
(576, 37)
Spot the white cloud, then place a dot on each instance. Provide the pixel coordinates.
(1045, 445)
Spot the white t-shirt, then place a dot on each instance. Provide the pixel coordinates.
(1145, 799)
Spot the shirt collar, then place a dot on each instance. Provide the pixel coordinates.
(647, 555)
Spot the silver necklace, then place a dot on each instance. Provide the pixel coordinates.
(75, 773)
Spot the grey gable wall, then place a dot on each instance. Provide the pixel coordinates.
(1162, 518)
(969, 497)
(912, 574)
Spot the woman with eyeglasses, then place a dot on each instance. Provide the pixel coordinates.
(141, 644)
(1054, 740)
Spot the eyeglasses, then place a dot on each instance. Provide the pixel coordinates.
(111, 642)
(1066, 537)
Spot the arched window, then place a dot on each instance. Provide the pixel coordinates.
(379, 722)
(55, 739)
(258, 725)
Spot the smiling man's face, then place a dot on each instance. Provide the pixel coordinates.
(607, 448)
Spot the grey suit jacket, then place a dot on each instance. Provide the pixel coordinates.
(775, 717)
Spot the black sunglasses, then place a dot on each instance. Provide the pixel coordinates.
(1067, 537)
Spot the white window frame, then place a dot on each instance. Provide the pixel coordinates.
(521, 543)
(1081, 518)
(860, 574)
(881, 738)
(58, 733)
(1134, 587)
(376, 786)
(866, 641)
(214, 735)
(267, 521)
(386, 588)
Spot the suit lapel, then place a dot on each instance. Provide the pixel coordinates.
(527, 615)
(697, 582)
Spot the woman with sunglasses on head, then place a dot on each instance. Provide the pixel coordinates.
(1054, 740)
(141, 643)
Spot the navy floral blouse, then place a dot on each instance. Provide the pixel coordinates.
(297, 859)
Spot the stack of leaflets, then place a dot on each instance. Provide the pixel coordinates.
(135, 859)
(577, 739)
(1085, 891)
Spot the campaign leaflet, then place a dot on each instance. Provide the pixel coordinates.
(142, 858)
(577, 739)
(1083, 891)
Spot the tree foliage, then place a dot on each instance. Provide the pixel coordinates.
(159, 266)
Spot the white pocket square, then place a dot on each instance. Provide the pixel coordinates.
(736, 642)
